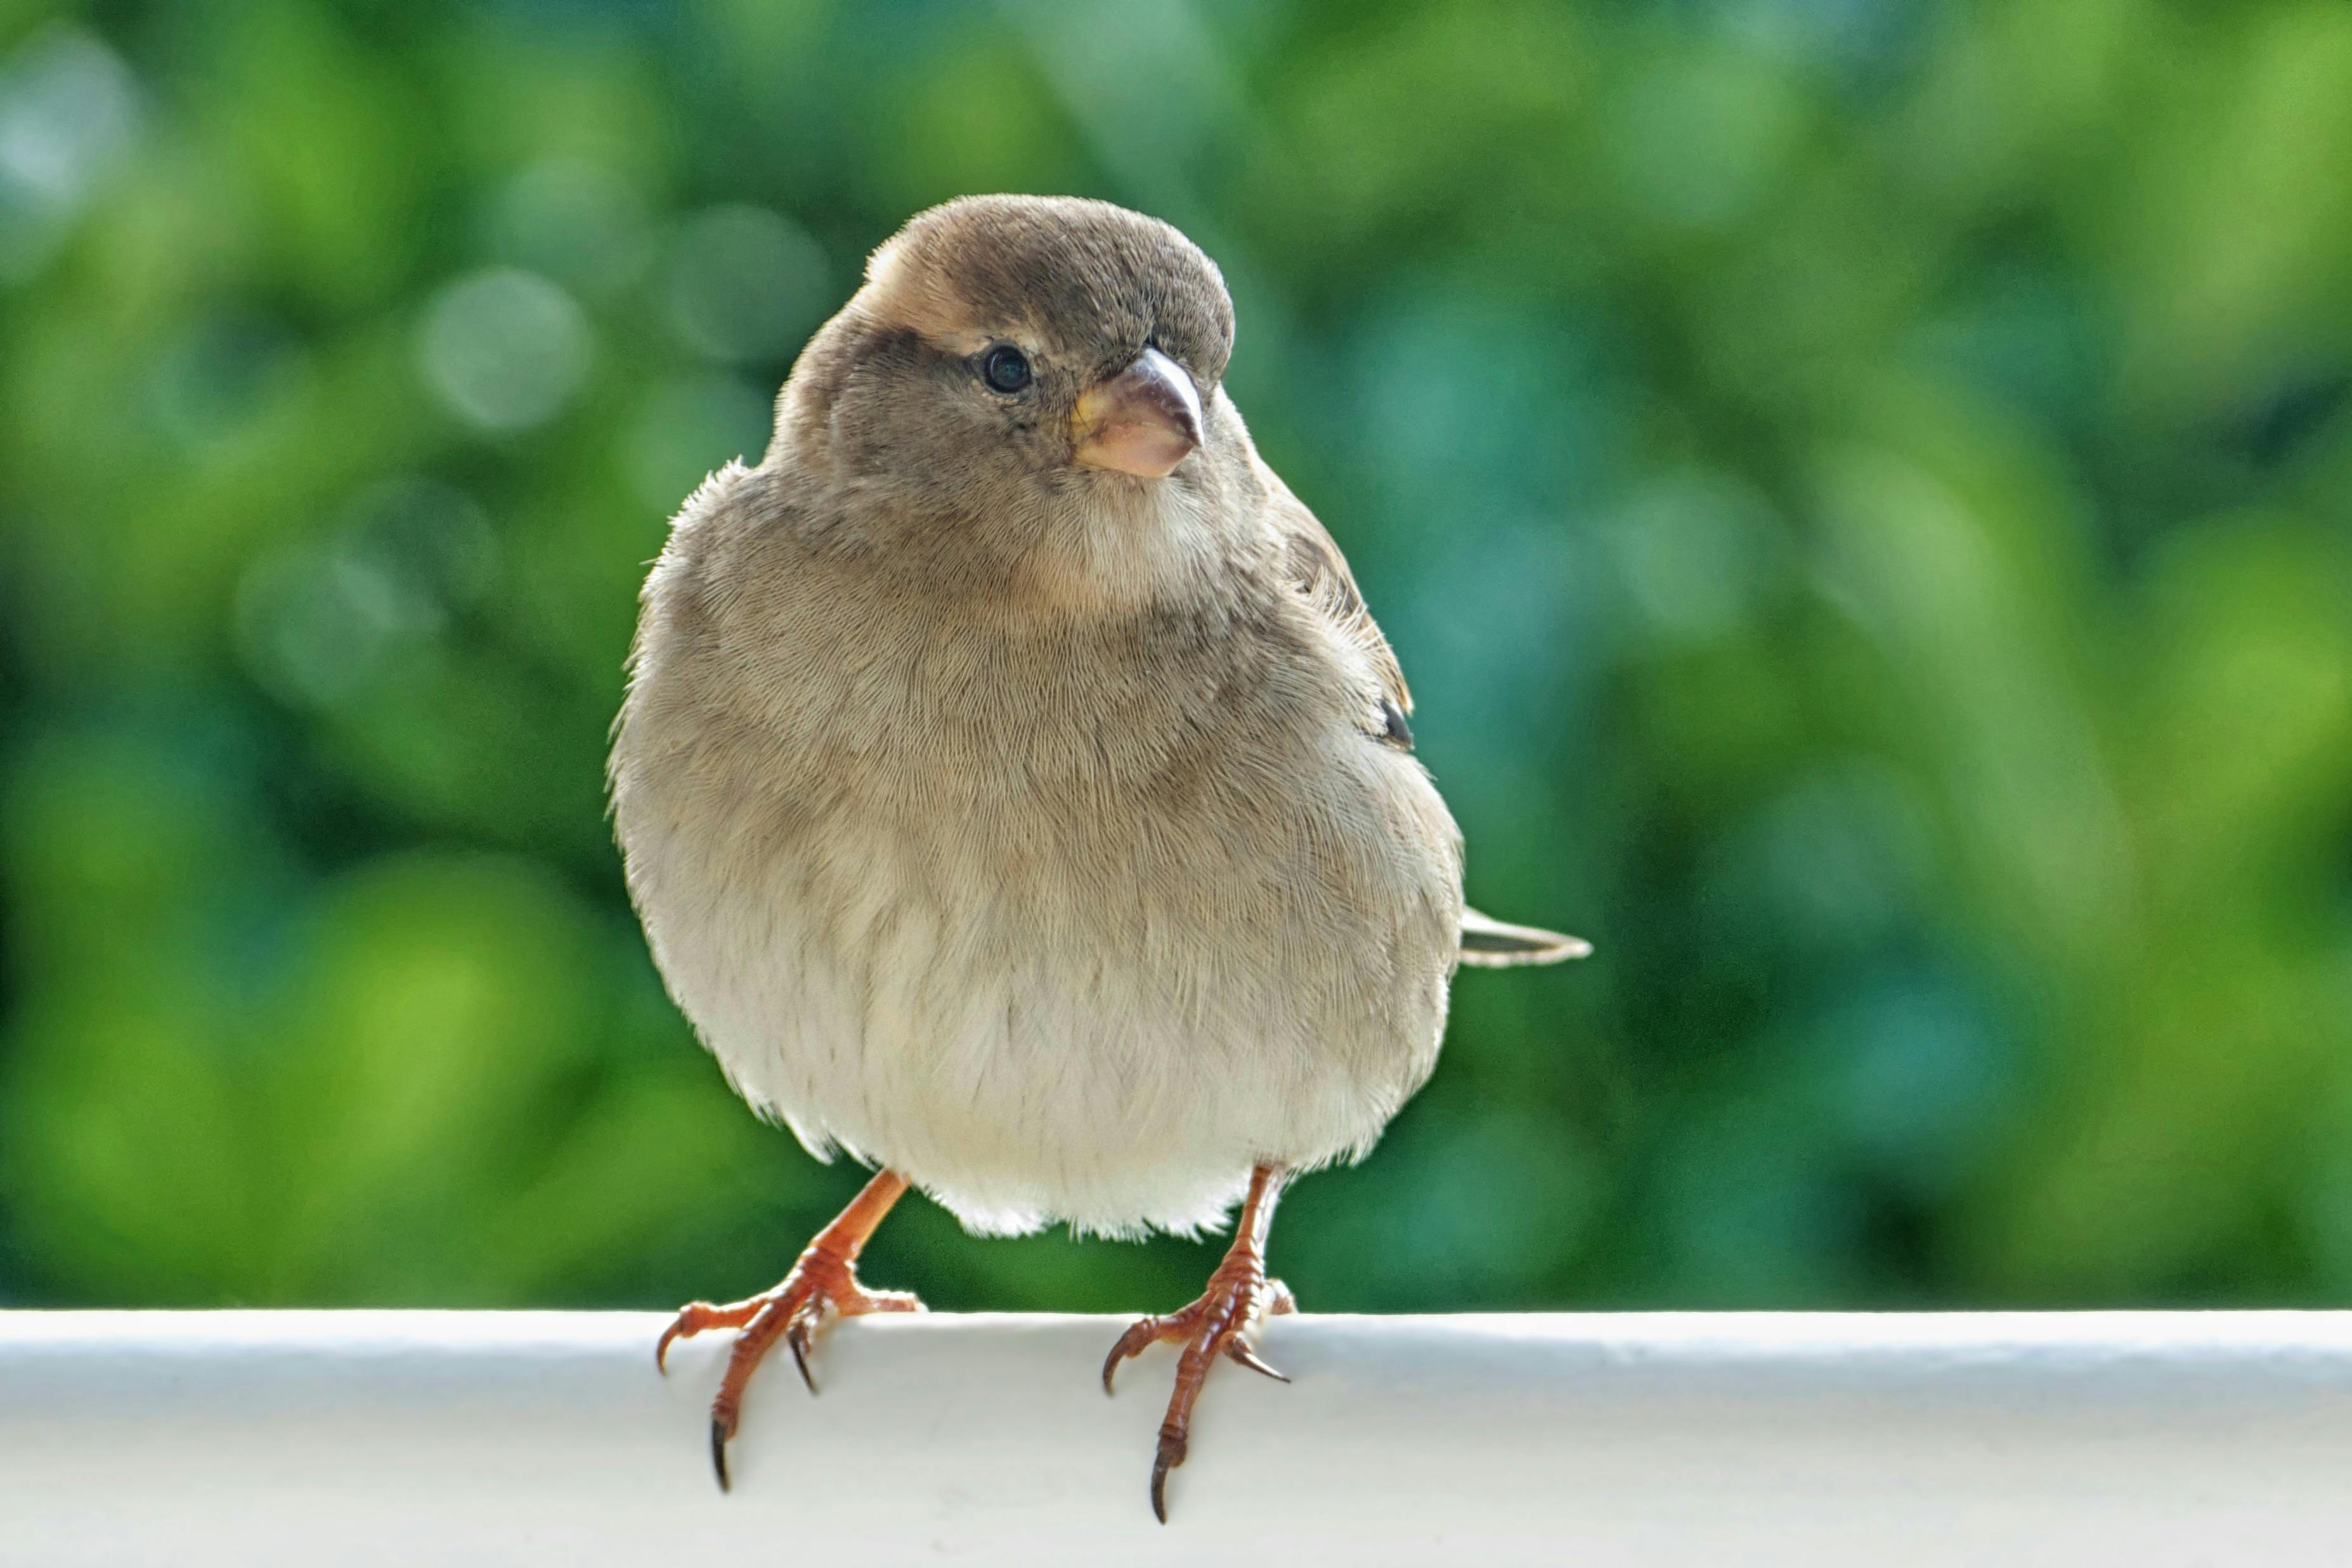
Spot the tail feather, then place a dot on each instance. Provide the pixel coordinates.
(1493, 943)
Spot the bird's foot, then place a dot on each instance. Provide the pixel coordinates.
(1222, 1323)
(793, 1313)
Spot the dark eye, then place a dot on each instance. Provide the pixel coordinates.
(1005, 368)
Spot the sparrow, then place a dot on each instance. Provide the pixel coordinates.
(1016, 793)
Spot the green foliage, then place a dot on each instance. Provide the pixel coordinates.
(1863, 492)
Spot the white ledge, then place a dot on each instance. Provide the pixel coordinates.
(331, 1438)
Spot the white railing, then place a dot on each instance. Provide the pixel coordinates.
(330, 1438)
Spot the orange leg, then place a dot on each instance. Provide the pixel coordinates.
(1223, 1321)
(825, 1276)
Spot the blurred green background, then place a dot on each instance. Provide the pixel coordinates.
(1862, 489)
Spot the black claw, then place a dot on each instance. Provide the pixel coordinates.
(800, 1359)
(1159, 1486)
(1249, 1358)
(718, 1452)
(1109, 1367)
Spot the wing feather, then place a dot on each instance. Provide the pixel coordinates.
(1320, 574)
(1493, 944)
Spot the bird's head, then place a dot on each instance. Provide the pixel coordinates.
(1024, 354)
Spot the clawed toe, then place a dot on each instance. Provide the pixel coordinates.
(1222, 1324)
(797, 1338)
(793, 1313)
(825, 1278)
(1143, 1334)
(1171, 1455)
(696, 1316)
(1238, 1350)
(1219, 1324)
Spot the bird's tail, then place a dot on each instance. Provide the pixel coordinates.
(1493, 943)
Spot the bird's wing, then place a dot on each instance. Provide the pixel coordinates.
(1493, 943)
(1320, 574)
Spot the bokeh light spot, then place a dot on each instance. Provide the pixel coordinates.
(69, 111)
(504, 349)
(745, 284)
(573, 221)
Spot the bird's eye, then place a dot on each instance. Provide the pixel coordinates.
(1005, 368)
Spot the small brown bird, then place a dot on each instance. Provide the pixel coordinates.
(1017, 794)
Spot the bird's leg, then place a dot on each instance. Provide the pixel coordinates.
(825, 1275)
(1224, 1321)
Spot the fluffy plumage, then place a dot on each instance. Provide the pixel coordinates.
(1045, 834)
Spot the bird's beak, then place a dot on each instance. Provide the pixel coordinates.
(1143, 421)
